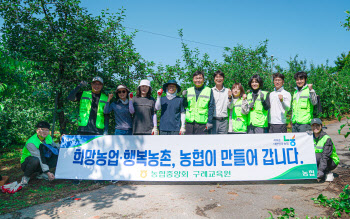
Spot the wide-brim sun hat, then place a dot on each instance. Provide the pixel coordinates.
(122, 87)
(145, 82)
(178, 88)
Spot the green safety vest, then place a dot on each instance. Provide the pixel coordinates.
(302, 108)
(239, 120)
(319, 148)
(258, 117)
(36, 141)
(197, 111)
(85, 108)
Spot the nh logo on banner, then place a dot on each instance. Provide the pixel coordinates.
(292, 140)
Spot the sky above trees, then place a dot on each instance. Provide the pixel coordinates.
(310, 29)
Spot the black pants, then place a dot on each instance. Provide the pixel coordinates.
(196, 129)
(277, 128)
(301, 127)
(169, 132)
(330, 163)
(32, 164)
(256, 130)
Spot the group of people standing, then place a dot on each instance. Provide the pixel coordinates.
(198, 109)
(202, 110)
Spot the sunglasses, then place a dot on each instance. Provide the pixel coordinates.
(123, 91)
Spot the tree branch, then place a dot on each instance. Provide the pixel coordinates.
(46, 15)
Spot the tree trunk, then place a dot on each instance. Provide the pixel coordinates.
(60, 99)
(61, 118)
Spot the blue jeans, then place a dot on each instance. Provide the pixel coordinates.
(123, 132)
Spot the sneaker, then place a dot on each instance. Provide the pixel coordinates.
(25, 180)
(43, 176)
(329, 177)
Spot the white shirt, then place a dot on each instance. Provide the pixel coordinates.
(278, 109)
(221, 101)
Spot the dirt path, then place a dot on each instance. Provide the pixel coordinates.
(201, 200)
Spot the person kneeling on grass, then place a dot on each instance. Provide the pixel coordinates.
(326, 155)
(38, 155)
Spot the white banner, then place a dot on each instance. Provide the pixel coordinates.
(238, 157)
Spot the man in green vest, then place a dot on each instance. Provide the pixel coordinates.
(39, 154)
(200, 105)
(92, 120)
(326, 155)
(304, 99)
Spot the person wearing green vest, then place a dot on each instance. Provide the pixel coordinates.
(304, 99)
(238, 110)
(92, 120)
(39, 154)
(326, 155)
(259, 104)
(200, 104)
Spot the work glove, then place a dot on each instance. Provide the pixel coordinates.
(83, 84)
(209, 126)
(309, 132)
(8, 186)
(184, 93)
(182, 131)
(320, 174)
(131, 95)
(15, 189)
(11, 188)
(251, 106)
(160, 92)
(155, 131)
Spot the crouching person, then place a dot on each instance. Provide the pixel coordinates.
(326, 155)
(39, 154)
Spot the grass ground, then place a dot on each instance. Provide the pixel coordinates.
(37, 191)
